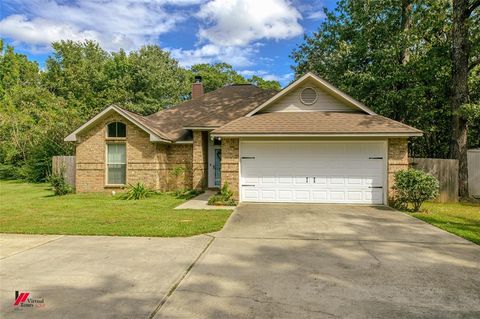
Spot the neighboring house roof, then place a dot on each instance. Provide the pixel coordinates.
(315, 124)
(347, 99)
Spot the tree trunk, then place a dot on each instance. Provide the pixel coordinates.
(458, 144)
(405, 25)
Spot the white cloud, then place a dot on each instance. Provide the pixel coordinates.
(118, 24)
(241, 22)
(211, 53)
(316, 15)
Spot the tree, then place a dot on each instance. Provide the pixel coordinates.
(215, 76)
(33, 121)
(157, 80)
(89, 78)
(394, 55)
(462, 10)
(265, 84)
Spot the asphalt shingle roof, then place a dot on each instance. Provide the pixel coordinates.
(314, 123)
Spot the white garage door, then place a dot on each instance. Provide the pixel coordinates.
(313, 172)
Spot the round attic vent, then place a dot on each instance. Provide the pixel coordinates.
(308, 96)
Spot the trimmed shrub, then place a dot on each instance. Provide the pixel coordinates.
(413, 187)
(223, 197)
(137, 191)
(59, 186)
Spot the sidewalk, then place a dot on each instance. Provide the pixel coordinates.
(200, 202)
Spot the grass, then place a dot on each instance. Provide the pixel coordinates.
(461, 219)
(33, 209)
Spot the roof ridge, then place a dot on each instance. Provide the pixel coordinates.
(228, 107)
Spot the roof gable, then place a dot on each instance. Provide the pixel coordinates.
(138, 120)
(332, 99)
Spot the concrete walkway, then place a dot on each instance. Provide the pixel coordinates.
(200, 202)
(92, 276)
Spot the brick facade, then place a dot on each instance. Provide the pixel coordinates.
(167, 167)
(200, 159)
(231, 164)
(397, 159)
(159, 166)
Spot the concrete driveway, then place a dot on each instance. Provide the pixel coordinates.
(329, 261)
(90, 276)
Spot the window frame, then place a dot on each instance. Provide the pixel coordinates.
(107, 184)
(116, 128)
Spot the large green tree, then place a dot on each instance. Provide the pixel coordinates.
(395, 56)
(38, 108)
(215, 76)
(464, 45)
(33, 121)
(89, 78)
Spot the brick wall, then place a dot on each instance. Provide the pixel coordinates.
(397, 159)
(149, 163)
(230, 164)
(200, 159)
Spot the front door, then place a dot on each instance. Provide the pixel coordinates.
(218, 166)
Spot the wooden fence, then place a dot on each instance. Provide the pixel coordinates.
(65, 165)
(473, 159)
(445, 170)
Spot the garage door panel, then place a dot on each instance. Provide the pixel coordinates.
(341, 172)
(285, 195)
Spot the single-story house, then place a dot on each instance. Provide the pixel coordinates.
(308, 143)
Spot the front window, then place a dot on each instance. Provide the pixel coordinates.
(116, 164)
(116, 130)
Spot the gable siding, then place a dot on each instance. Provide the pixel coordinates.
(325, 102)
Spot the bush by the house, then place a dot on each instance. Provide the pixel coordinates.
(137, 191)
(413, 187)
(223, 197)
(59, 185)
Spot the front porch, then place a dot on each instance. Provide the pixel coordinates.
(207, 161)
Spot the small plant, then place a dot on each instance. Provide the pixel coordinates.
(137, 191)
(187, 193)
(414, 187)
(223, 197)
(59, 185)
(177, 171)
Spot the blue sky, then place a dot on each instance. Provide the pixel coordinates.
(255, 36)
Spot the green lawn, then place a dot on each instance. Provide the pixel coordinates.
(32, 209)
(462, 219)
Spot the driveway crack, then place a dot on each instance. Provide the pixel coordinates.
(179, 281)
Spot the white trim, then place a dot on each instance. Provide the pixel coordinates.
(124, 142)
(318, 135)
(324, 84)
(72, 137)
(183, 142)
(385, 178)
